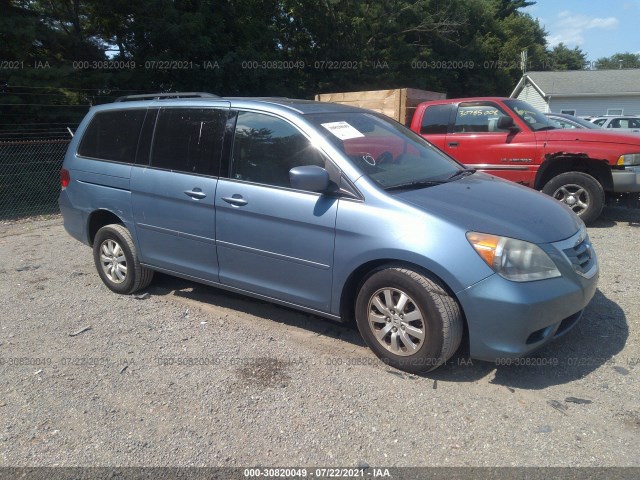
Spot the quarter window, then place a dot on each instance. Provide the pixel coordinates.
(113, 135)
(266, 148)
(478, 118)
(189, 140)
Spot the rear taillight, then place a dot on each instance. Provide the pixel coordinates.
(64, 178)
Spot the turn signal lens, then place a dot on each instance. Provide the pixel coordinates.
(485, 244)
(629, 159)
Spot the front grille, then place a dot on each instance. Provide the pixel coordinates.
(581, 256)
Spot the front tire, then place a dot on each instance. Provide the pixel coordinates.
(580, 192)
(408, 320)
(116, 259)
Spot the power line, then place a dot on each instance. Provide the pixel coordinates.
(39, 114)
(31, 135)
(61, 133)
(31, 132)
(52, 94)
(40, 105)
(77, 89)
(42, 123)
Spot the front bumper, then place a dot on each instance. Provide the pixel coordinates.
(509, 319)
(627, 180)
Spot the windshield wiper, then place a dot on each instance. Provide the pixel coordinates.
(462, 173)
(415, 184)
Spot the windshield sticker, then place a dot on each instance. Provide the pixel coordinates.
(342, 130)
(477, 112)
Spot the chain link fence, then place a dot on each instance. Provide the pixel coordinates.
(30, 176)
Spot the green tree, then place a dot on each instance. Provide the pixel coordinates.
(466, 47)
(619, 60)
(44, 44)
(562, 57)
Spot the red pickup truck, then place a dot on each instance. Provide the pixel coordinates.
(512, 140)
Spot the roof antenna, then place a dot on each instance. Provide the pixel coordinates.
(523, 61)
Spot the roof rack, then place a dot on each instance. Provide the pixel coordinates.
(157, 96)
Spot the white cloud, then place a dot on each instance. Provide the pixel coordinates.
(570, 28)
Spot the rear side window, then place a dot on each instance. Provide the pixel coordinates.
(189, 140)
(624, 123)
(436, 119)
(113, 135)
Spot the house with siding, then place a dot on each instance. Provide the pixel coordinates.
(582, 92)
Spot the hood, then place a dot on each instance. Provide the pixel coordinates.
(487, 204)
(585, 135)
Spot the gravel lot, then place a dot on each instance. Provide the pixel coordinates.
(194, 376)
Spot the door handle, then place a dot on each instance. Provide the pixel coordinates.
(195, 193)
(453, 144)
(236, 200)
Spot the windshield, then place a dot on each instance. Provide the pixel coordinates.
(385, 151)
(535, 119)
(585, 123)
(570, 121)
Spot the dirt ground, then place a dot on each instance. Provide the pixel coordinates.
(189, 375)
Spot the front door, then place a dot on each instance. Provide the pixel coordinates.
(271, 239)
(476, 141)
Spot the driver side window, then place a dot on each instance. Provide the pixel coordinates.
(479, 118)
(266, 148)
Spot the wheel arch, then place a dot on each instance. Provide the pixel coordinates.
(558, 163)
(360, 274)
(98, 219)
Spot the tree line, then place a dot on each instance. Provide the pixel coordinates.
(78, 52)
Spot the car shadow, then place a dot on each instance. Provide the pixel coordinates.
(612, 216)
(219, 298)
(599, 336)
(594, 342)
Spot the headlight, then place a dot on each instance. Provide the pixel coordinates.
(629, 159)
(513, 259)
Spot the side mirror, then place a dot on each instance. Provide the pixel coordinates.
(311, 178)
(507, 123)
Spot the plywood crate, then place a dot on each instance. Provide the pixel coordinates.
(399, 104)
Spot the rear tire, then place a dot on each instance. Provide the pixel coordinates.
(408, 320)
(116, 259)
(580, 192)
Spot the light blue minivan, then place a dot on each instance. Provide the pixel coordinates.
(330, 209)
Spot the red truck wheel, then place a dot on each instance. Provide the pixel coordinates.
(579, 191)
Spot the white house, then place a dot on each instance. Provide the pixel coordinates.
(582, 92)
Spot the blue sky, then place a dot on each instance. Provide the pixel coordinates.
(600, 28)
